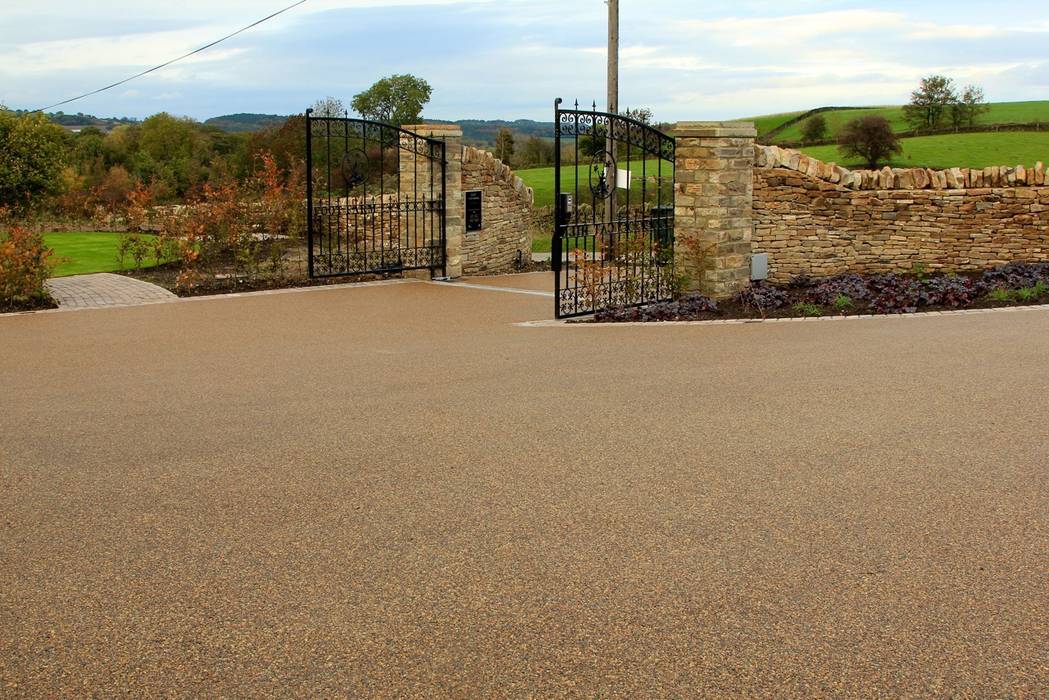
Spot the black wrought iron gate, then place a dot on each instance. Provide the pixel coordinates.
(613, 239)
(376, 198)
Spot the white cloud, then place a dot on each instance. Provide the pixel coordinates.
(789, 29)
(137, 50)
(928, 31)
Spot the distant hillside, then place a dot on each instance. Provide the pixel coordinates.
(480, 132)
(476, 132)
(75, 122)
(786, 128)
(244, 122)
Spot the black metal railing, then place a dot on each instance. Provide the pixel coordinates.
(376, 198)
(613, 239)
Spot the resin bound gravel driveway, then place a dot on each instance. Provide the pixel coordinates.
(394, 491)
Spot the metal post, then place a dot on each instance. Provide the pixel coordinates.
(613, 56)
(555, 243)
(444, 209)
(309, 194)
(613, 108)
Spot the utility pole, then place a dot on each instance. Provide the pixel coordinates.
(613, 56)
(613, 106)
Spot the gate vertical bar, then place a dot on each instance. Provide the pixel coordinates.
(444, 207)
(309, 194)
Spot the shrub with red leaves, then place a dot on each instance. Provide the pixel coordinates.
(25, 264)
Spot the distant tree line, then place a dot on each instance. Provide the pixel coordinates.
(174, 156)
(42, 164)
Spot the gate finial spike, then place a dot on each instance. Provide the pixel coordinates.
(594, 106)
(577, 105)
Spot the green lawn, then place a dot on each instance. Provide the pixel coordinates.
(81, 252)
(1000, 113)
(768, 122)
(541, 180)
(958, 150)
(541, 243)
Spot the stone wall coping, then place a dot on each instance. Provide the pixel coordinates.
(501, 171)
(715, 130)
(770, 157)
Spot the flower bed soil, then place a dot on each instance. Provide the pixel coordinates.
(9, 306)
(1015, 284)
(229, 282)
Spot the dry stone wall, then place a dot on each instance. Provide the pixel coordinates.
(505, 238)
(821, 219)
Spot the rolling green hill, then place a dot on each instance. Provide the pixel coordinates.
(978, 150)
(768, 122)
(999, 113)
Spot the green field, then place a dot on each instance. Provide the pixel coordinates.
(768, 122)
(541, 180)
(1000, 113)
(82, 252)
(978, 150)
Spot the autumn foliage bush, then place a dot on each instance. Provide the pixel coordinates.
(25, 264)
(247, 226)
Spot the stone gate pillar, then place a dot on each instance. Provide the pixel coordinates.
(454, 214)
(713, 199)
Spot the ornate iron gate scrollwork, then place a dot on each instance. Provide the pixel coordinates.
(375, 198)
(613, 243)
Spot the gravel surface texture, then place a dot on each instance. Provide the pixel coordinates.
(393, 491)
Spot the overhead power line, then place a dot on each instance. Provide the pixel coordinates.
(174, 60)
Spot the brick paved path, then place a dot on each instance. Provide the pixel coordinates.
(105, 289)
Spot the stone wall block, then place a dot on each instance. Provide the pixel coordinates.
(506, 214)
(948, 220)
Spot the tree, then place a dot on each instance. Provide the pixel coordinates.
(594, 143)
(329, 107)
(639, 114)
(504, 145)
(815, 129)
(970, 105)
(396, 100)
(870, 138)
(930, 102)
(33, 152)
(172, 150)
(536, 152)
(285, 143)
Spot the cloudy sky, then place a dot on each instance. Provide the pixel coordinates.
(685, 59)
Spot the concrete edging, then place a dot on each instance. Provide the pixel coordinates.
(742, 321)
